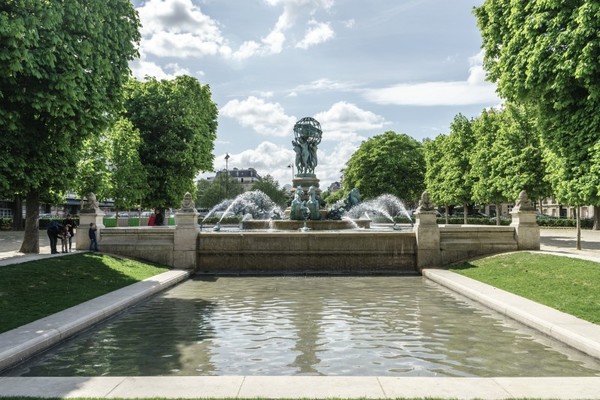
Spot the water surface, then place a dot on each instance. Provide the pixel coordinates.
(384, 326)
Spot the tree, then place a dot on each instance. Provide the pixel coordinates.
(177, 121)
(93, 174)
(435, 181)
(456, 165)
(128, 176)
(62, 65)
(387, 164)
(507, 157)
(269, 186)
(545, 54)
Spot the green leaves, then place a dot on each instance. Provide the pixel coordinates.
(177, 121)
(390, 163)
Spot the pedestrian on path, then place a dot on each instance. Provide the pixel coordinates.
(53, 230)
(70, 224)
(92, 235)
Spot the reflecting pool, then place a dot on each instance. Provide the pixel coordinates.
(384, 326)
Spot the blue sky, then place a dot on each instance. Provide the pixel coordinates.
(361, 68)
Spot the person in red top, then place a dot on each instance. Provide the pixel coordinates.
(151, 219)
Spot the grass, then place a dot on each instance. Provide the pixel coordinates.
(567, 284)
(35, 289)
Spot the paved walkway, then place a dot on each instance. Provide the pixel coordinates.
(560, 241)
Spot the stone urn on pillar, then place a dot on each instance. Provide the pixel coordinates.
(427, 234)
(527, 231)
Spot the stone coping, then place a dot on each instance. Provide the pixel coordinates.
(575, 332)
(29, 339)
(297, 387)
(23, 342)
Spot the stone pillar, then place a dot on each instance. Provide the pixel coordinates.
(90, 213)
(427, 233)
(186, 235)
(527, 231)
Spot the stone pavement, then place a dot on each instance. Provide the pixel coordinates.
(558, 241)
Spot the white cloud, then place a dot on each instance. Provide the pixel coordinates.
(318, 32)
(272, 159)
(141, 68)
(344, 120)
(265, 118)
(178, 28)
(472, 91)
(325, 84)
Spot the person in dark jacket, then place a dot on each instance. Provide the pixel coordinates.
(53, 230)
(159, 220)
(92, 236)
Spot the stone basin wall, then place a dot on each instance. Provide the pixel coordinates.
(314, 252)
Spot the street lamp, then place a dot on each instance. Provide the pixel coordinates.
(226, 175)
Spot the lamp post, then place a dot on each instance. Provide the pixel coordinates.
(226, 175)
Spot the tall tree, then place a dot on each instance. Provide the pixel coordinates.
(177, 121)
(128, 176)
(487, 188)
(456, 164)
(390, 163)
(435, 181)
(62, 65)
(93, 174)
(546, 54)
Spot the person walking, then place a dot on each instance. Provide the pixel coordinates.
(53, 230)
(160, 218)
(70, 224)
(92, 235)
(151, 219)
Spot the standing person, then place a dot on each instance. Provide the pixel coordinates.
(92, 235)
(53, 229)
(160, 219)
(64, 239)
(152, 219)
(70, 224)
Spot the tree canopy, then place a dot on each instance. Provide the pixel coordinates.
(390, 163)
(546, 54)
(62, 66)
(177, 121)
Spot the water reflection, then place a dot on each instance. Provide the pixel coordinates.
(387, 326)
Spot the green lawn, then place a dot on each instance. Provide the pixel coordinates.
(566, 284)
(35, 289)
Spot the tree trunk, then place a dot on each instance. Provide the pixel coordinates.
(578, 221)
(17, 220)
(498, 205)
(596, 218)
(31, 239)
(465, 212)
(446, 212)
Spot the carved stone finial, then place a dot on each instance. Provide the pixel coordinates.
(523, 203)
(425, 203)
(187, 204)
(89, 204)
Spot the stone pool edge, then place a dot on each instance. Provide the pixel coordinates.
(575, 332)
(49, 330)
(25, 341)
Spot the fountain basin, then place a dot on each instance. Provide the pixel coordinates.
(313, 252)
(292, 225)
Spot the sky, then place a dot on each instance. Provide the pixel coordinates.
(360, 68)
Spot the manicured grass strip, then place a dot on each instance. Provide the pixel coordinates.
(35, 289)
(566, 284)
